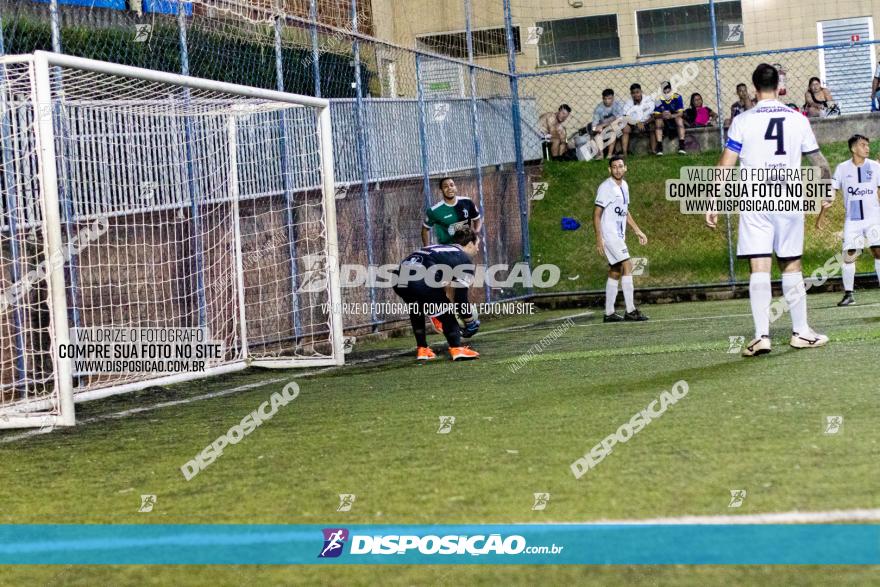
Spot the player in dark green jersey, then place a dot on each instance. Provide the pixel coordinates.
(449, 215)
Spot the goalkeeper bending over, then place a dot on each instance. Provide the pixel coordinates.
(425, 276)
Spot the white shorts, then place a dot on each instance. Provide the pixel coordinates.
(861, 234)
(615, 249)
(762, 235)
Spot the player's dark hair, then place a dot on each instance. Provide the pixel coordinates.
(766, 78)
(565, 107)
(615, 158)
(607, 92)
(464, 236)
(738, 86)
(444, 180)
(856, 138)
(665, 85)
(635, 87)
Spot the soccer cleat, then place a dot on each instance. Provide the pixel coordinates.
(759, 346)
(425, 354)
(808, 340)
(463, 353)
(438, 326)
(635, 316)
(848, 299)
(612, 318)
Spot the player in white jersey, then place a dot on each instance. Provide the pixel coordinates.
(610, 219)
(857, 179)
(771, 135)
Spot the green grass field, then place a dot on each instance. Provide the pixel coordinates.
(681, 249)
(370, 429)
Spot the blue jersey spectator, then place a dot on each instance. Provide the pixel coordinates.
(669, 118)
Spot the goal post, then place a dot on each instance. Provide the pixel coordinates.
(144, 204)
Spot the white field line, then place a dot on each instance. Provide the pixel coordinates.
(240, 388)
(390, 355)
(795, 517)
(717, 317)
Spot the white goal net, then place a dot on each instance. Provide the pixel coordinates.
(154, 229)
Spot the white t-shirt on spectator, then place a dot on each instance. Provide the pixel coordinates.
(641, 112)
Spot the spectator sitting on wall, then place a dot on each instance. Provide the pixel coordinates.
(744, 102)
(698, 115)
(606, 112)
(818, 100)
(551, 126)
(450, 214)
(668, 118)
(638, 112)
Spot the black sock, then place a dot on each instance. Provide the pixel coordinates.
(451, 329)
(418, 326)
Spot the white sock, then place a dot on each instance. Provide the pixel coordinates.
(628, 293)
(877, 268)
(760, 296)
(796, 296)
(610, 295)
(849, 276)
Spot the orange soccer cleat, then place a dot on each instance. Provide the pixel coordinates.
(425, 354)
(463, 353)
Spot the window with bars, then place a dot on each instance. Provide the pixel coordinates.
(688, 28)
(573, 40)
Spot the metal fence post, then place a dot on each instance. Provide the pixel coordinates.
(363, 158)
(518, 139)
(190, 171)
(285, 179)
(477, 151)
(423, 134)
(715, 62)
(316, 51)
(64, 189)
(54, 19)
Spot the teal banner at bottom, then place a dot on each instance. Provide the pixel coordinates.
(566, 544)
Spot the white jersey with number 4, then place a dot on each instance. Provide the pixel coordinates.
(771, 135)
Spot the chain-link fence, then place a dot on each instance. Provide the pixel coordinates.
(455, 105)
(402, 119)
(681, 251)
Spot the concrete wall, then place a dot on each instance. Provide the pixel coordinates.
(827, 130)
(768, 24)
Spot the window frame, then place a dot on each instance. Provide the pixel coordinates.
(561, 64)
(517, 39)
(638, 35)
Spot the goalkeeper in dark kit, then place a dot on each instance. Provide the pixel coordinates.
(423, 279)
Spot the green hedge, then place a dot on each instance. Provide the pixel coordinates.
(212, 56)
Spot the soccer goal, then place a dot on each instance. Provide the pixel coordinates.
(143, 211)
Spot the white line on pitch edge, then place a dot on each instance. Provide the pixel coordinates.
(795, 517)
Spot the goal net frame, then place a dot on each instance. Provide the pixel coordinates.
(54, 405)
